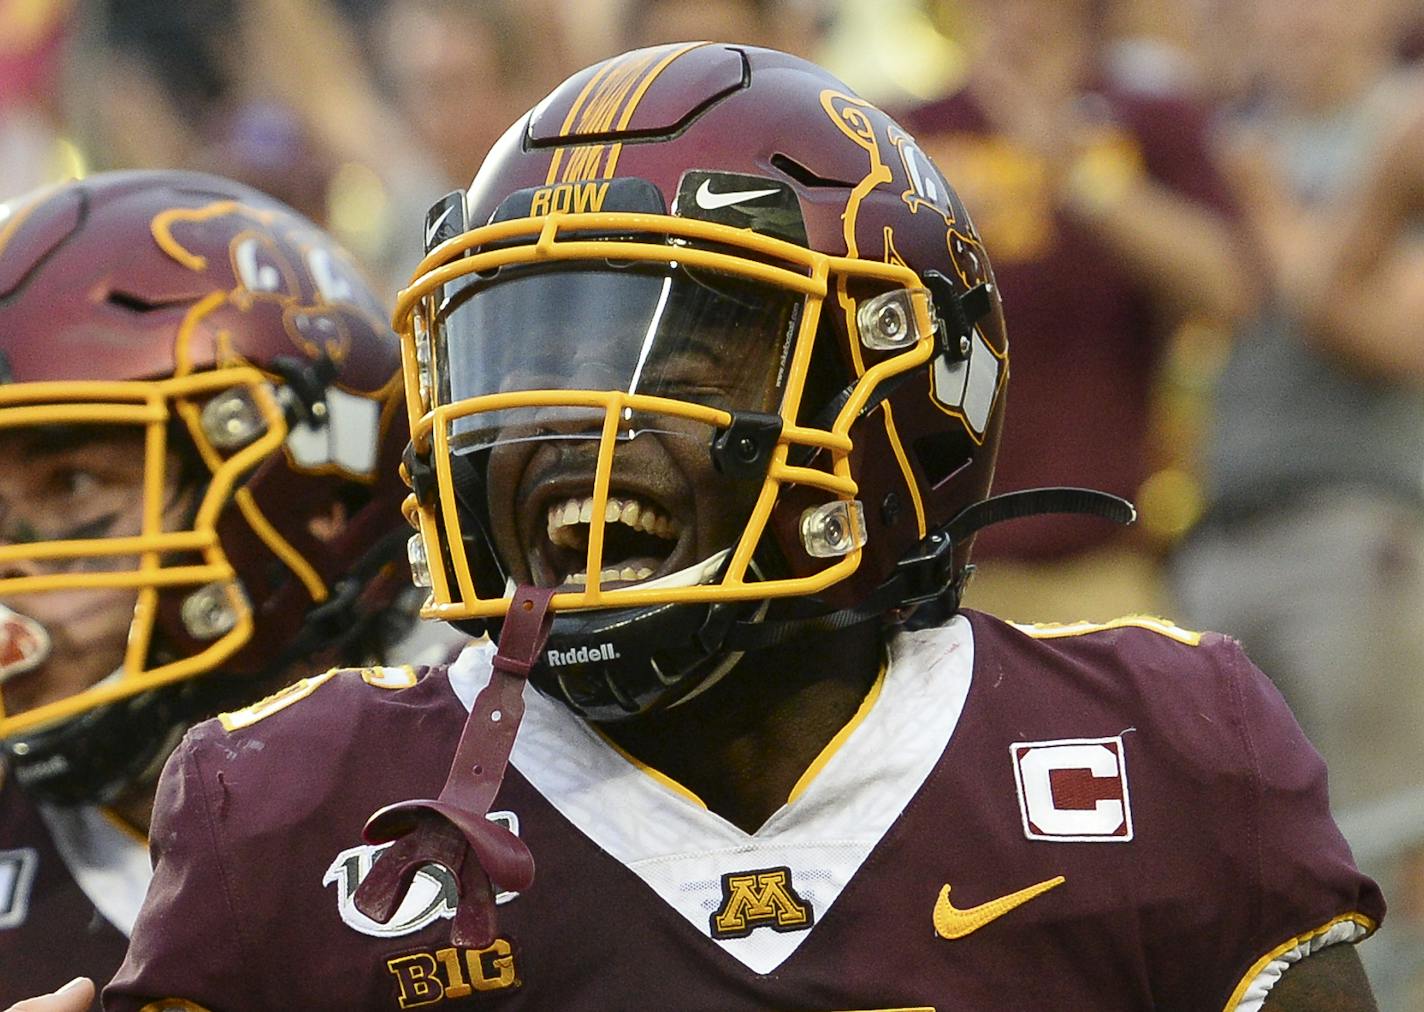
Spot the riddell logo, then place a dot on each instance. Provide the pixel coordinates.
(581, 655)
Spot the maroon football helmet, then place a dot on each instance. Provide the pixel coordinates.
(698, 255)
(228, 334)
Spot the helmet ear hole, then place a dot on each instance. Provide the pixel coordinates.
(942, 455)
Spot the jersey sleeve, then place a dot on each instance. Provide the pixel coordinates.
(189, 940)
(1307, 894)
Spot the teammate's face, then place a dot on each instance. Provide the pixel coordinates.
(667, 509)
(66, 484)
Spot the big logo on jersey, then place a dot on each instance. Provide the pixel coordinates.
(759, 899)
(432, 895)
(1073, 790)
(17, 876)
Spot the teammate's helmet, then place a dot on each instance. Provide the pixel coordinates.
(234, 337)
(709, 246)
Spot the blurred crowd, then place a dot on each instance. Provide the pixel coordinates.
(1206, 216)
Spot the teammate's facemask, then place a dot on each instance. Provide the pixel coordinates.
(231, 353)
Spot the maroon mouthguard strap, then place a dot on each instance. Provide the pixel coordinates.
(452, 830)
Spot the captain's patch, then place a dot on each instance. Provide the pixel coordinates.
(433, 894)
(760, 899)
(1073, 790)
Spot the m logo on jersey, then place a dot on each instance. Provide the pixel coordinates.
(17, 877)
(760, 899)
(433, 894)
(1073, 790)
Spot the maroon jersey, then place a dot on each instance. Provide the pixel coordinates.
(50, 929)
(1084, 332)
(1107, 817)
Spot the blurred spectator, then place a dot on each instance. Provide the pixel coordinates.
(776, 24)
(152, 78)
(32, 150)
(1150, 46)
(155, 85)
(461, 71)
(1312, 548)
(266, 146)
(1109, 228)
(307, 100)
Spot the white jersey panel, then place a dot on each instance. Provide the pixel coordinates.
(682, 851)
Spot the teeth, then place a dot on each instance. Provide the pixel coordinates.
(630, 512)
(628, 574)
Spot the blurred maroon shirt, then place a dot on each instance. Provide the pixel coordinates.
(1084, 337)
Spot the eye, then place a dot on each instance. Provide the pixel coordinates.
(698, 392)
(74, 482)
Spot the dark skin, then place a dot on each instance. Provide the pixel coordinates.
(1330, 979)
(760, 727)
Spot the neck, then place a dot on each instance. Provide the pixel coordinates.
(742, 745)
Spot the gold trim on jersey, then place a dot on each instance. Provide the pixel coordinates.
(402, 677)
(1360, 920)
(834, 745)
(1161, 626)
(278, 701)
(657, 775)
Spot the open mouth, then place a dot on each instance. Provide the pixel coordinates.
(640, 540)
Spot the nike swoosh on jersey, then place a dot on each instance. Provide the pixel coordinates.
(710, 201)
(951, 923)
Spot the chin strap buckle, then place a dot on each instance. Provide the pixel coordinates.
(452, 830)
(926, 573)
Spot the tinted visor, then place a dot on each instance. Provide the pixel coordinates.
(652, 329)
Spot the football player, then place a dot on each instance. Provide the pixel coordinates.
(706, 372)
(200, 427)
